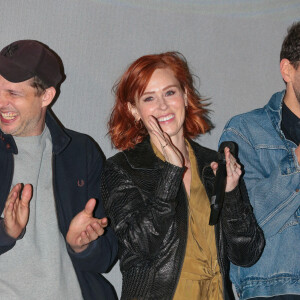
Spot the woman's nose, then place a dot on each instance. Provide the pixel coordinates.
(163, 103)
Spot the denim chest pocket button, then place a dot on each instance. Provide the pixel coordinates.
(292, 221)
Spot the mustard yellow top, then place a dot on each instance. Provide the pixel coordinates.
(200, 276)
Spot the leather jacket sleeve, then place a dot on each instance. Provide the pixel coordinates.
(140, 218)
(244, 239)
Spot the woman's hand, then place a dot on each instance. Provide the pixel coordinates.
(233, 170)
(170, 152)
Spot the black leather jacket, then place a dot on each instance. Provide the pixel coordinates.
(146, 201)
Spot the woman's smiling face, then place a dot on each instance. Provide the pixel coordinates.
(163, 99)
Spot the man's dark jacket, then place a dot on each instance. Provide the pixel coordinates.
(146, 201)
(76, 169)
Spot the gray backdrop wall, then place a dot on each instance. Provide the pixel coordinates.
(232, 45)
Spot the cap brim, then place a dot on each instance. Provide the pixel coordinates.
(13, 72)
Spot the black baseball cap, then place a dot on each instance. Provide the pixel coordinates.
(24, 59)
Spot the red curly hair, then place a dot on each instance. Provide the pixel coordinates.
(122, 126)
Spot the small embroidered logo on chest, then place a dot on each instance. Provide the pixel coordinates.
(80, 182)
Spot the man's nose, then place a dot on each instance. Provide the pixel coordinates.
(3, 101)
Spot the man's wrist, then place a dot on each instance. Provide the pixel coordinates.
(6, 239)
(78, 249)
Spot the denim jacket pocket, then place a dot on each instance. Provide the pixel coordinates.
(292, 221)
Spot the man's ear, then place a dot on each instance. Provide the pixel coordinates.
(48, 96)
(133, 111)
(286, 70)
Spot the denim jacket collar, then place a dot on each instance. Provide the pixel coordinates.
(274, 110)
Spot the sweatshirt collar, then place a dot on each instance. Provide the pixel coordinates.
(60, 139)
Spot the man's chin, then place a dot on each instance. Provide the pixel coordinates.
(7, 131)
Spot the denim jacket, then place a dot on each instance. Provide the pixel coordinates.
(272, 177)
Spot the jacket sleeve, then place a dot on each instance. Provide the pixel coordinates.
(273, 189)
(6, 242)
(140, 221)
(244, 238)
(102, 252)
(99, 256)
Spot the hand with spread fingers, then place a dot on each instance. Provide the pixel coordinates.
(84, 228)
(233, 170)
(170, 152)
(16, 211)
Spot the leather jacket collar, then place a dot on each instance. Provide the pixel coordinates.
(143, 156)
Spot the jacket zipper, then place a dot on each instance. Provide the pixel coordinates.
(187, 224)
